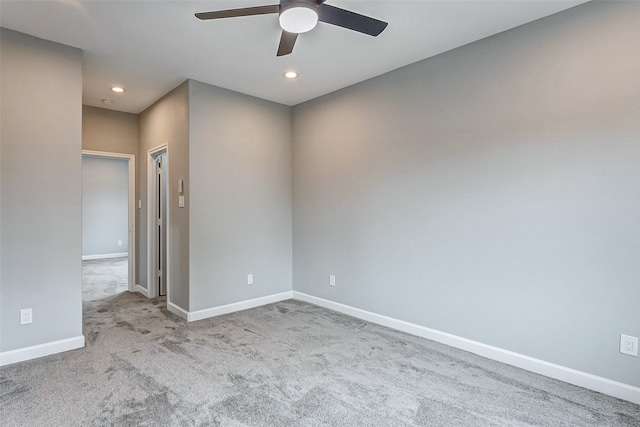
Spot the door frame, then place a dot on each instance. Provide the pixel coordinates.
(131, 161)
(152, 235)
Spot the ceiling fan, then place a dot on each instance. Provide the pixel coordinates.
(300, 16)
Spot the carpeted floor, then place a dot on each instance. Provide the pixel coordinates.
(103, 278)
(284, 364)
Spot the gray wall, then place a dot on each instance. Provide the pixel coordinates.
(240, 196)
(491, 192)
(167, 121)
(105, 205)
(108, 130)
(113, 132)
(40, 141)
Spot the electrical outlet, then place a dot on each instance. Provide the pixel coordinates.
(332, 280)
(249, 279)
(629, 345)
(26, 316)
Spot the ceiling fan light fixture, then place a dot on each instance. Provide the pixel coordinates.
(299, 18)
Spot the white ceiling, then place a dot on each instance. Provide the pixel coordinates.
(151, 46)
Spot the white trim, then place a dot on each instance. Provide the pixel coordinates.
(237, 306)
(131, 160)
(93, 153)
(192, 316)
(105, 256)
(177, 310)
(40, 350)
(142, 290)
(152, 283)
(562, 373)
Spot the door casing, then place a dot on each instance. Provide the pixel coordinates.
(131, 158)
(152, 214)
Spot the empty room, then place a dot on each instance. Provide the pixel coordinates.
(320, 213)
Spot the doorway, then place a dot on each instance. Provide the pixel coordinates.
(158, 220)
(108, 223)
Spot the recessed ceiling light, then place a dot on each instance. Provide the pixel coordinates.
(118, 89)
(290, 75)
(107, 101)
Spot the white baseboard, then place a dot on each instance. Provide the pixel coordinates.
(105, 256)
(192, 316)
(142, 290)
(562, 373)
(177, 310)
(40, 350)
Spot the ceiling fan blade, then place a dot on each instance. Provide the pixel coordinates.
(287, 41)
(232, 13)
(351, 20)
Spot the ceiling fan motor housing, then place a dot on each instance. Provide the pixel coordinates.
(298, 16)
(284, 4)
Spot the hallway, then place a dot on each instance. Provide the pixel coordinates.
(103, 278)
